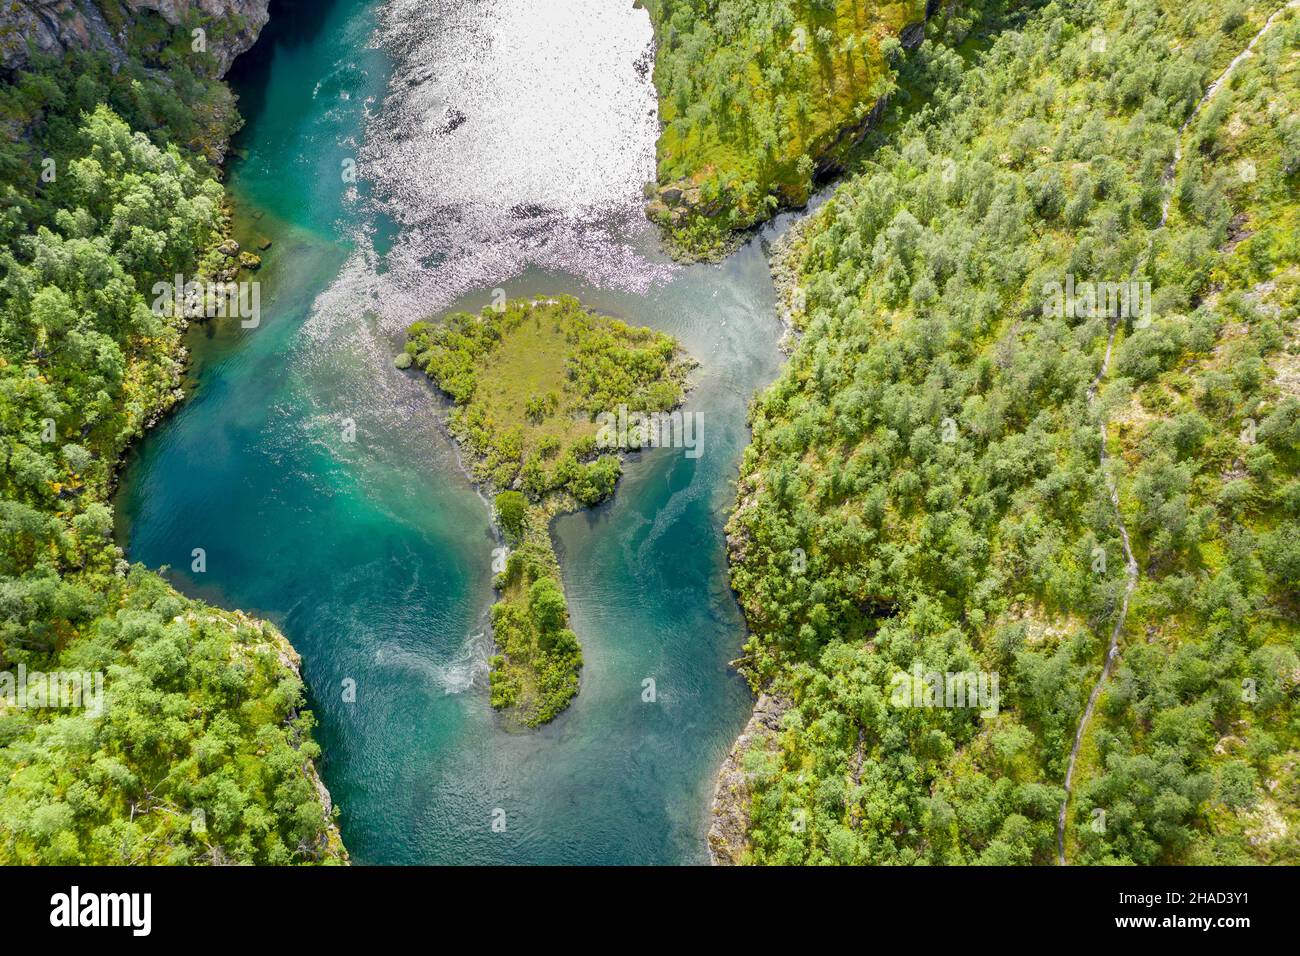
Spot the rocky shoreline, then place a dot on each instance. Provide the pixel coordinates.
(290, 658)
(729, 830)
(783, 263)
(728, 840)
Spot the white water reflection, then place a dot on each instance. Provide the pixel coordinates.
(516, 135)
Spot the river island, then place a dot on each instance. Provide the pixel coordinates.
(533, 383)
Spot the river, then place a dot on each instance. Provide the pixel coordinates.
(407, 158)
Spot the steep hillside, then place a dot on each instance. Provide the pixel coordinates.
(125, 29)
(1026, 416)
(172, 732)
(758, 96)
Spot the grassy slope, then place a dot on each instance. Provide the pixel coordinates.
(922, 283)
(529, 382)
(753, 97)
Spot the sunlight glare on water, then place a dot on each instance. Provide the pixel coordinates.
(551, 107)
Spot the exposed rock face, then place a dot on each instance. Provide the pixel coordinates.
(51, 26)
(673, 204)
(241, 21)
(912, 35)
(56, 26)
(728, 833)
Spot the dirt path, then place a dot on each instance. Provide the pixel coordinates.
(1130, 564)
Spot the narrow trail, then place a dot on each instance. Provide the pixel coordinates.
(1131, 571)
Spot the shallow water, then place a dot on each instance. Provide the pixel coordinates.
(496, 145)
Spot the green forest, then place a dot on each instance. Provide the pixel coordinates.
(202, 752)
(529, 381)
(947, 475)
(755, 97)
(1016, 539)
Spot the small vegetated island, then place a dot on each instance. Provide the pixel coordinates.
(530, 381)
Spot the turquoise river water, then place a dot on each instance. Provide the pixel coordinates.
(406, 158)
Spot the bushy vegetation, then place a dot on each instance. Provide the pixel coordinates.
(534, 672)
(925, 482)
(162, 88)
(528, 381)
(202, 753)
(755, 96)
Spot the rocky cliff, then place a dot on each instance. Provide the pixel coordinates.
(55, 26)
